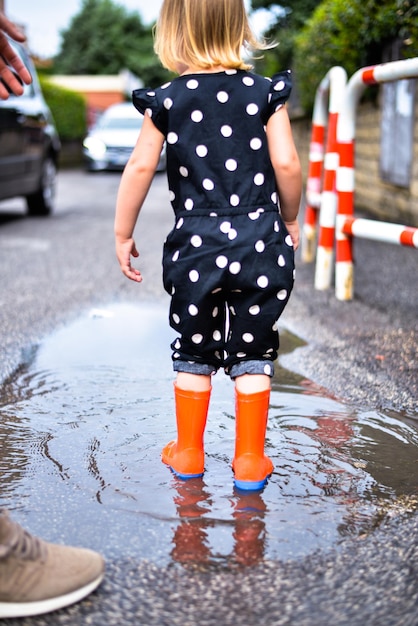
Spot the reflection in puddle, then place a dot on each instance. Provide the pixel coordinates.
(82, 426)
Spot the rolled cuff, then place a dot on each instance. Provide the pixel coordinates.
(251, 367)
(191, 367)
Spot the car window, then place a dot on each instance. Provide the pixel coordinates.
(120, 123)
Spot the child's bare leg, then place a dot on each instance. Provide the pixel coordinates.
(252, 383)
(193, 382)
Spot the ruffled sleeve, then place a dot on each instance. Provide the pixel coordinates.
(280, 88)
(147, 102)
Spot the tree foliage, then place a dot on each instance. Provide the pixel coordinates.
(289, 17)
(68, 110)
(290, 13)
(353, 34)
(104, 38)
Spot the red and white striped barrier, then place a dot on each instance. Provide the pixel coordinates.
(385, 72)
(330, 89)
(378, 231)
(313, 192)
(328, 206)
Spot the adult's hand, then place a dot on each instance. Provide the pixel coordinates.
(13, 72)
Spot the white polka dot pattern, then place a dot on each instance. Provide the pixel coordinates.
(197, 116)
(226, 131)
(228, 262)
(202, 117)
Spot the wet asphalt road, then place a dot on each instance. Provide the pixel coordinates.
(364, 352)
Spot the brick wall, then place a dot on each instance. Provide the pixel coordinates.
(373, 196)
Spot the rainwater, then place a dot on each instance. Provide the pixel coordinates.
(83, 422)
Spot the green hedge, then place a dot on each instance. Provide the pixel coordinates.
(351, 33)
(68, 109)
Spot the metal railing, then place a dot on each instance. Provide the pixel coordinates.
(336, 200)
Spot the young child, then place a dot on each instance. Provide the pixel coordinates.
(228, 262)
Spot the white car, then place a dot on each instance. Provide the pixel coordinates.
(110, 142)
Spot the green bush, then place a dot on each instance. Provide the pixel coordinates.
(68, 109)
(353, 34)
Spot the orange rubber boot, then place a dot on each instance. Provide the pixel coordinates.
(186, 456)
(251, 466)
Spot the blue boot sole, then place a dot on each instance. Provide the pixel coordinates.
(250, 485)
(185, 476)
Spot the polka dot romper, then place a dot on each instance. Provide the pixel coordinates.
(228, 262)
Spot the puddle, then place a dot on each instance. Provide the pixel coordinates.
(82, 425)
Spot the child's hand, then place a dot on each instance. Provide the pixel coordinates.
(124, 250)
(293, 230)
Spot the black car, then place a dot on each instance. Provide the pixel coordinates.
(29, 146)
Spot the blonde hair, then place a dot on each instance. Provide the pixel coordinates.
(204, 34)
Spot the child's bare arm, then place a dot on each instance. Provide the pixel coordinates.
(135, 183)
(287, 169)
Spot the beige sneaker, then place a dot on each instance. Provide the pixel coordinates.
(38, 577)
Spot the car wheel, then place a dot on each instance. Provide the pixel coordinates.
(42, 202)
